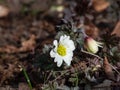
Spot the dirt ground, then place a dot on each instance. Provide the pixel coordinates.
(26, 27)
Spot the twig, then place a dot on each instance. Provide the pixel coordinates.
(115, 69)
(91, 54)
(49, 76)
(60, 75)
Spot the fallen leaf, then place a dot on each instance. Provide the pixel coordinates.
(28, 45)
(7, 73)
(116, 30)
(108, 69)
(4, 11)
(100, 5)
(91, 30)
(8, 49)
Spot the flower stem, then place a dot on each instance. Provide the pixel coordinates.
(76, 79)
(27, 78)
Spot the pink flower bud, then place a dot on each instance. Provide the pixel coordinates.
(91, 45)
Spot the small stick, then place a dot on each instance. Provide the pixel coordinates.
(115, 69)
(60, 75)
(91, 54)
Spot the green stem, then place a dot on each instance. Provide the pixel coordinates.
(76, 79)
(27, 78)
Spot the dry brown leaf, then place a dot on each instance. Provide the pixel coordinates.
(100, 5)
(4, 11)
(91, 30)
(28, 45)
(117, 29)
(108, 69)
(7, 73)
(8, 49)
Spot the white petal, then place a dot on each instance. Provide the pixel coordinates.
(59, 63)
(55, 42)
(71, 45)
(52, 53)
(100, 46)
(68, 61)
(68, 43)
(55, 60)
(59, 60)
(68, 58)
(67, 37)
(61, 38)
(100, 43)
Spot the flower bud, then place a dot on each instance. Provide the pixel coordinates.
(91, 45)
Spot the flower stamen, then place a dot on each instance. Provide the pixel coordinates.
(61, 50)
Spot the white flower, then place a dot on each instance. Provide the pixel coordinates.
(92, 45)
(63, 50)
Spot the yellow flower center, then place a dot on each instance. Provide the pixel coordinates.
(61, 50)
